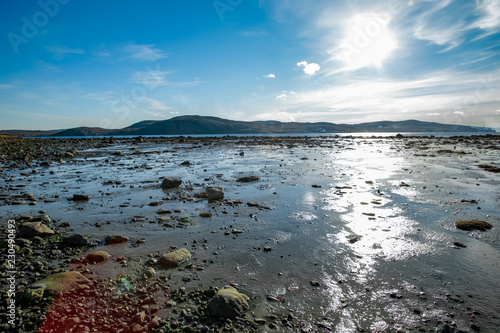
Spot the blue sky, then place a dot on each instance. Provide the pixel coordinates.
(68, 63)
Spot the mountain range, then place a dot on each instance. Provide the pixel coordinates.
(188, 125)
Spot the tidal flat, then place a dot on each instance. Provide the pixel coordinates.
(322, 234)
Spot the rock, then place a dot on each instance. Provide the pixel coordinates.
(316, 186)
(315, 283)
(163, 211)
(149, 273)
(31, 229)
(248, 179)
(115, 239)
(354, 239)
(169, 183)
(206, 215)
(175, 258)
(252, 204)
(80, 197)
(490, 168)
(267, 248)
(32, 295)
(186, 163)
(97, 257)
(214, 193)
(227, 303)
(472, 225)
(62, 281)
(75, 240)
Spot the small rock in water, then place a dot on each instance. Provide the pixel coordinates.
(214, 193)
(472, 225)
(169, 183)
(80, 197)
(115, 239)
(315, 283)
(248, 179)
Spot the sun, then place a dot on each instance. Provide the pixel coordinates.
(368, 41)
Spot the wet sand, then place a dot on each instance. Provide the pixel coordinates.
(338, 234)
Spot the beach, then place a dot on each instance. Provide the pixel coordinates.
(321, 233)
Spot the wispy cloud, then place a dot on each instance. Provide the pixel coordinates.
(270, 76)
(145, 52)
(309, 69)
(463, 95)
(448, 23)
(61, 52)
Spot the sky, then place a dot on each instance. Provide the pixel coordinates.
(70, 63)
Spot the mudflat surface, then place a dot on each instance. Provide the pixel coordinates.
(337, 234)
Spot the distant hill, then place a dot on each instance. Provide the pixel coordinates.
(187, 125)
(28, 133)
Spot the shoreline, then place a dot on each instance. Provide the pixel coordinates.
(285, 165)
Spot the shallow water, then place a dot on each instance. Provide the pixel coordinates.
(378, 222)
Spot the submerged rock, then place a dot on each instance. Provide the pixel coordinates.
(248, 179)
(115, 239)
(214, 193)
(62, 281)
(227, 303)
(472, 225)
(169, 183)
(80, 197)
(175, 258)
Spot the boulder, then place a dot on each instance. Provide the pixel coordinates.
(32, 229)
(97, 257)
(214, 193)
(227, 303)
(115, 239)
(248, 179)
(80, 197)
(175, 258)
(472, 225)
(169, 183)
(62, 281)
(75, 240)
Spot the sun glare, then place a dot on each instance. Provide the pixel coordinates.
(368, 41)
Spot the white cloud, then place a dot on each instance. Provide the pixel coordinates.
(270, 76)
(281, 96)
(144, 52)
(446, 93)
(62, 51)
(490, 18)
(309, 69)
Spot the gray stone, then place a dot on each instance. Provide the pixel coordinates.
(169, 183)
(75, 240)
(248, 179)
(227, 303)
(31, 229)
(62, 281)
(175, 258)
(214, 193)
(115, 239)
